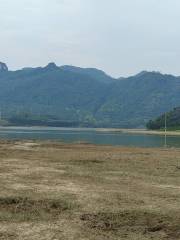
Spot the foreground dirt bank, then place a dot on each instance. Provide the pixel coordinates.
(54, 191)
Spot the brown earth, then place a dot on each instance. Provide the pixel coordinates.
(62, 191)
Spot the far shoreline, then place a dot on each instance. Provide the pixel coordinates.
(140, 131)
(101, 130)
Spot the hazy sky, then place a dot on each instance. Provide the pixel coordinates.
(121, 37)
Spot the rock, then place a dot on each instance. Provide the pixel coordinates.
(3, 67)
(52, 66)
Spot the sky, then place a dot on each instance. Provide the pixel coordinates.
(121, 37)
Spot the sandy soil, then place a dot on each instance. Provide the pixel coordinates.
(52, 190)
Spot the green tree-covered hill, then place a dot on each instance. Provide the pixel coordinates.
(172, 121)
(90, 96)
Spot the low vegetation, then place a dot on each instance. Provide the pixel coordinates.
(52, 190)
(25, 209)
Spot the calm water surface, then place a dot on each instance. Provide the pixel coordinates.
(88, 135)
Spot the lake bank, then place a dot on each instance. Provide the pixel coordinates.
(140, 131)
(114, 137)
(52, 190)
(108, 130)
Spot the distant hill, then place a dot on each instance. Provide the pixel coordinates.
(91, 72)
(86, 96)
(173, 121)
(133, 101)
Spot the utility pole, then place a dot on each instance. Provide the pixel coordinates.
(165, 130)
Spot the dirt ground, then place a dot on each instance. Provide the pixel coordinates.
(53, 191)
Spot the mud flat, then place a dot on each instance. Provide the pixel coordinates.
(52, 190)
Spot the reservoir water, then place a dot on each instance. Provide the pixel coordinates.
(94, 136)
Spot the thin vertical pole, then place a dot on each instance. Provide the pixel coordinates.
(165, 130)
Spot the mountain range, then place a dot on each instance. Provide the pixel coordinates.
(86, 95)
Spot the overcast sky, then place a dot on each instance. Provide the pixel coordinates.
(121, 37)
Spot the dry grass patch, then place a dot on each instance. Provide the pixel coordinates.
(80, 191)
(26, 209)
(138, 221)
(8, 236)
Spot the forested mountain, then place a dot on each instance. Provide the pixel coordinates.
(91, 72)
(86, 96)
(135, 100)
